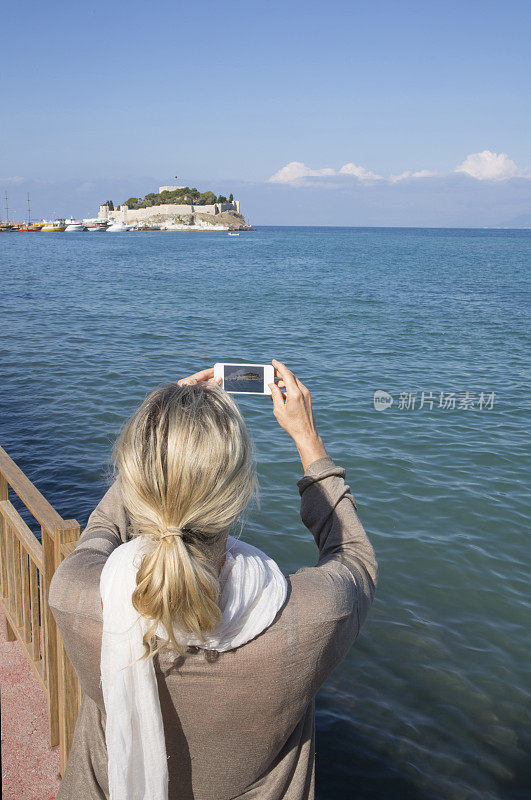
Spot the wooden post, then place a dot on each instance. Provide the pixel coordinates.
(67, 532)
(69, 704)
(4, 555)
(18, 581)
(4, 495)
(50, 636)
(26, 599)
(10, 553)
(10, 633)
(34, 605)
(42, 640)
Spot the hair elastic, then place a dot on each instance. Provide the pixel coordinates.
(172, 532)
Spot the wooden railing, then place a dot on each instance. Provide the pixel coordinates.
(26, 569)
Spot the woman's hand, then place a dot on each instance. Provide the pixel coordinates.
(204, 376)
(293, 411)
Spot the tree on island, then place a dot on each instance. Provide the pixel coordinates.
(109, 204)
(133, 202)
(231, 198)
(183, 196)
(207, 199)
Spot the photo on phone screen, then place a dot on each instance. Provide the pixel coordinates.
(244, 378)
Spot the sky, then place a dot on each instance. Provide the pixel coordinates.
(337, 113)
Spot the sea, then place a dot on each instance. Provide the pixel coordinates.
(414, 344)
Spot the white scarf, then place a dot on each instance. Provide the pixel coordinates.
(253, 589)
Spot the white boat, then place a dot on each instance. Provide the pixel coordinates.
(233, 234)
(73, 225)
(95, 225)
(53, 225)
(118, 227)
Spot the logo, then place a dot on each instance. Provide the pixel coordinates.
(382, 400)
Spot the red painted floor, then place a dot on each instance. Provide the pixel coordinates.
(30, 769)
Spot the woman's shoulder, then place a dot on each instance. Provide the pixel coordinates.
(319, 595)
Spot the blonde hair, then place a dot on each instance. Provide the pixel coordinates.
(184, 460)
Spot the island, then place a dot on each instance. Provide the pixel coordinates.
(177, 208)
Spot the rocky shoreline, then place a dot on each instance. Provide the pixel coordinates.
(226, 221)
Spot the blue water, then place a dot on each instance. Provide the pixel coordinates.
(433, 700)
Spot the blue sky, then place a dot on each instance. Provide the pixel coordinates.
(290, 105)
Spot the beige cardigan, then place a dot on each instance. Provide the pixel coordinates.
(238, 724)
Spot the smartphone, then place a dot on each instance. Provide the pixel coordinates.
(245, 378)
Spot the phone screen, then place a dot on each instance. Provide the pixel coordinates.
(243, 378)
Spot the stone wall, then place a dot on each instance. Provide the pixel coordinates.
(170, 210)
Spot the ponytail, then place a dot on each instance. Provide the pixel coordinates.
(185, 462)
(177, 582)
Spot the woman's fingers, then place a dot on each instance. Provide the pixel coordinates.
(203, 375)
(198, 377)
(292, 408)
(298, 381)
(287, 376)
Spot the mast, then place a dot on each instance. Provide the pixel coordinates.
(7, 208)
(29, 212)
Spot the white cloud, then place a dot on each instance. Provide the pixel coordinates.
(360, 173)
(15, 179)
(296, 171)
(489, 166)
(482, 166)
(421, 173)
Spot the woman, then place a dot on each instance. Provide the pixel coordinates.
(237, 705)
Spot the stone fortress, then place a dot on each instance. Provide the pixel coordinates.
(171, 215)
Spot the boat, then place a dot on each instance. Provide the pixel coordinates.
(7, 225)
(74, 225)
(53, 225)
(91, 225)
(29, 226)
(233, 233)
(118, 227)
